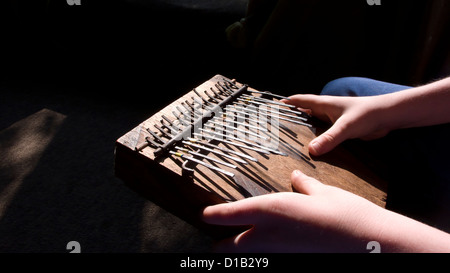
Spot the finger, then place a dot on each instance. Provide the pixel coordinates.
(318, 106)
(304, 110)
(249, 211)
(241, 212)
(329, 140)
(305, 184)
(303, 101)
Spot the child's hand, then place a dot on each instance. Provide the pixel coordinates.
(352, 117)
(319, 219)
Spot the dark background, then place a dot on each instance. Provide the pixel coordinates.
(108, 65)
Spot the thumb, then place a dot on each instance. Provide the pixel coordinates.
(304, 184)
(328, 140)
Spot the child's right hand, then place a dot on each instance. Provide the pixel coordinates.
(352, 117)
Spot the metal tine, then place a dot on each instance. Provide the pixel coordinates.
(225, 89)
(253, 98)
(263, 99)
(230, 83)
(161, 130)
(263, 138)
(167, 134)
(233, 143)
(222, 89)
(239, 123)
(245, 124)
(179, 116)
(269, 94)
(190, 144)
(244, 141)
(294, 121)
(258, 92)
(247, 100)
(192, 105)
(181, 111)
(283, 117)
(205, 156)
(294, 111)
(193, 110)
(171, 123)
(204, 105)
(152, 142)
(184, 121)
(170, 129)
(286, 111)
(192, 114)
(209, 106)
(203, 99)
(180, 119)
(271, 111)
(189, 158)
(235, 128)
(216, 93)
(187, 113)
(211, 97)
(145, 144)
(286, 119)
(155, 136)
(231, 109)
(217, 147)
(195, 140)
(229, 131)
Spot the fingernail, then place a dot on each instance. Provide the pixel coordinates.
(296, 173)
(315, 147)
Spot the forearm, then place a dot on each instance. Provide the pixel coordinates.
(401, 234)
(421, 106)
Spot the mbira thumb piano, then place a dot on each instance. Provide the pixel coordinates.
(225, 141)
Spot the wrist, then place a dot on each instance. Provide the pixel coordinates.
(394, 111)
(398, 233)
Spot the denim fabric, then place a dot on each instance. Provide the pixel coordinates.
(355, 86)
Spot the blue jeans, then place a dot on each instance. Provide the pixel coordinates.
(359, 87)
(416, 161)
